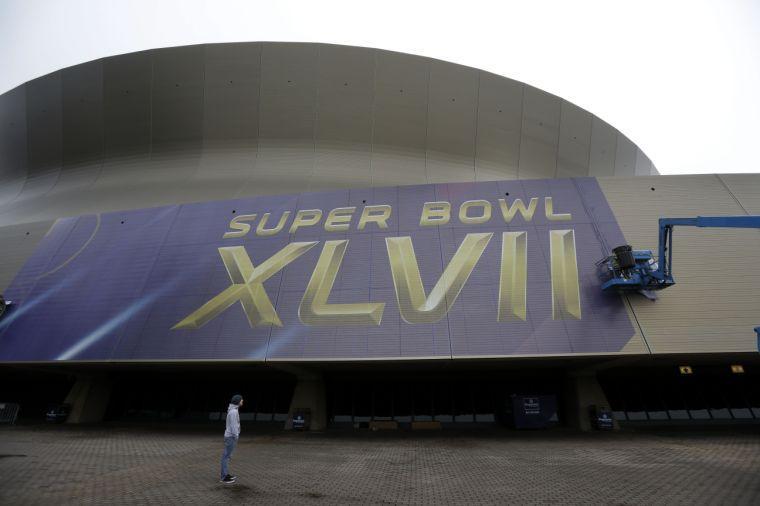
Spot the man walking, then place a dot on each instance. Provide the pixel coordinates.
(231, 435)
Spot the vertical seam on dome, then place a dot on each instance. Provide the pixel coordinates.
(242, 191)
(26, 149)
(60, 155)
(427, 119)
(243, 187)
(590, 136)
(258, 111)
(522, 121)
(150, 104)
(372, 118)
(199, 166)
(475, 136)
(60, 163)
(315, 119)
(614, 159)
(559, 134)
(102, 123)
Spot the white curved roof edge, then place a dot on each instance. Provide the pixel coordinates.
(621, 63)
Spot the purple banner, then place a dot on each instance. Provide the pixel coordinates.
(502, 269)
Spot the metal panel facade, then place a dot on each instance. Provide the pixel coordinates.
(343, 132)
(452, 106)
(540, 133)
(498, 130)
(221, 121)
(13, 148)
(399, 127)
(230, 119)
(716, 300)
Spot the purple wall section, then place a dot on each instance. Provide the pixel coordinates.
(110, 287)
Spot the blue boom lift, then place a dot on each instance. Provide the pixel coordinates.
(637, 270)
(629, 270)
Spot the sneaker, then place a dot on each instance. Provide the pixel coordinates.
(228, 479)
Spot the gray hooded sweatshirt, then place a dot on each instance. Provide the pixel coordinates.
(233, 422)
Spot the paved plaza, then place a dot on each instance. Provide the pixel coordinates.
(138, 465)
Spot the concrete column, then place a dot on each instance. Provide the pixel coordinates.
(582, 390)
(88, 399)
(309, 394)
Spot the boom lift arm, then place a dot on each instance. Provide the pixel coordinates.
(631, 270)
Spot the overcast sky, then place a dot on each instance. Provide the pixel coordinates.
(680, 78)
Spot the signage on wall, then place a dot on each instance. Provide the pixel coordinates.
(414, 304)
(431, 271)
(531, 405)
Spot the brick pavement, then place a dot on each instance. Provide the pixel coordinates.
(127, 465)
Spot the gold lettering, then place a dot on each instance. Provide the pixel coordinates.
(368, 216)
(513, 279)
(305, 218)
(566, 297)
(314, 309)
(475, 220)
(435, 213)
(549, 209)
(247, 286)
(262, 231)
(508, 212)
(339, 219)
(414, 306)
(238, 224)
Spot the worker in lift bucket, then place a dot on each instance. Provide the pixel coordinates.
(231, 435)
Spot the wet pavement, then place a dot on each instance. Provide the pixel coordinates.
(178, 465)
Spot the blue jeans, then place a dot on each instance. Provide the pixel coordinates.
(229, 447)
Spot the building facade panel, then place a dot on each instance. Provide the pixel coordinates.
(497, 150)
(451, 121)
(82, 127)
(232, 76)
(13, 145)
(311, 126)
(343, 129)
(574, 141)
(716, 298)
(603, 148)
(44, 135)
(745, 188)
(399, 119)
(539, 142)
(219, 121)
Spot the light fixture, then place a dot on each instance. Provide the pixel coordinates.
(737, 369)
(685, 369)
